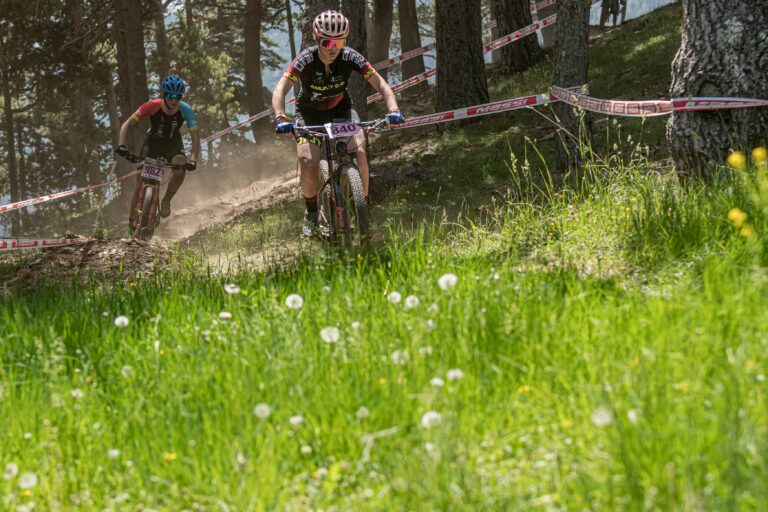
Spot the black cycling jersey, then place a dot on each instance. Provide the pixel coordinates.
(320, 90)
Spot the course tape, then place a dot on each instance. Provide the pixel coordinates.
(652, 108)
(58, 195)
(534, 100)
(16, 244)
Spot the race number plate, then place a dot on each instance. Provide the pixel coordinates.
(336, 130)
(151, 171)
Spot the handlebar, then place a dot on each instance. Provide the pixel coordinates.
(320, 131)
(160, 162)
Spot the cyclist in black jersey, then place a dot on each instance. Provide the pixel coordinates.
(166, 115)
(324, 71)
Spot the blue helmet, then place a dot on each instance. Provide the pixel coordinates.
(173, 85)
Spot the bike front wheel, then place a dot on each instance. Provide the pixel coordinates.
(325, 203)
(355, 208)
(146, 226)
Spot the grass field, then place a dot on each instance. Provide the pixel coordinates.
(598, 343)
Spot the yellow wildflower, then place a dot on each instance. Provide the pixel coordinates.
(760, 156)
(169, 456)
(747, 231)
(737, 217)
(382, 381)
(737, 160)
(634, 362)
(26, 493)
(566, 423)
(681, 386)
(523, 389)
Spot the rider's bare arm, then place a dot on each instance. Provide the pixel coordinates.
(124, 130)
(383, 88)
(278, 97)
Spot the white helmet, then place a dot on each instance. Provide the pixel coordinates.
(330, 25)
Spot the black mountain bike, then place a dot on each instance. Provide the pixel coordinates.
(342, 209)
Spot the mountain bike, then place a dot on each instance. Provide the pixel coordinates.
(342, 208)
(145, 217)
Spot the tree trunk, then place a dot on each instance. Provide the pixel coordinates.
(132, 72)
(381, 33)
(289, 17)
(548, 33)
(114, 117)
(571, 69)
(189, 13)
(355, 10)
(512, 15)
(10, 146)
(253, 79)
(410, 38)
(461, 78)
(163, 55)
(724, 52)
(495, 34)
(312, 9)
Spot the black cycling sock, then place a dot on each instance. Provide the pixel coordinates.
(311, 203)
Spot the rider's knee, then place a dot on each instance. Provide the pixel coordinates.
(307, 162)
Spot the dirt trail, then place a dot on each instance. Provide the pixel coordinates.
(199, 213)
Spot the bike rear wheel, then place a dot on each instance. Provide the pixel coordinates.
(354, 209)
(146, 226)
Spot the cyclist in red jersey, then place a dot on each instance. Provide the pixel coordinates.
(324, 71)
(167, 115)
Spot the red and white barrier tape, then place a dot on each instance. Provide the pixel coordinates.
(405, 56)
(535, 7)
(515, 36)
(16, 244)
(58, 195)
(652, 108)
(534, 100)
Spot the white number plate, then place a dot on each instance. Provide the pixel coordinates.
(151, 171)
(336, 130)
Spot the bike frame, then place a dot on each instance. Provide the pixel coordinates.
(337, 154)
(142, 185)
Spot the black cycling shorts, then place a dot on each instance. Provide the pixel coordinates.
(309, 117)
(162, 148)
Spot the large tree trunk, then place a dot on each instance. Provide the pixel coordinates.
(289, 18)
(410, 38)
(512, 15)
(381, 33)
(10, 146)
(163, 55)
(312, 9)
(355, 10)
(253, 80)
(132, 72)
(724, 52)
(571, 69)
(460, 67)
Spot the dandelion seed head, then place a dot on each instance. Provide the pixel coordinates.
(455, 374)
(232, 289)
(394, 297)
(225, 315)
(411, 301)
(306, 449)
(355, 325)
(437, 382)
(113, 454)
(633, 415)
(433, 309)
(262, 411)
(399, 357)
(431, 419)
(122, 321)
(602, 417)
(447, 281)
(296, 420)
(330, 334)
(27, 480)
(429, 447)
(11, 470)
(126, 371)
(431, 325)
(362, 413)
(76, 393)
(294, 301)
